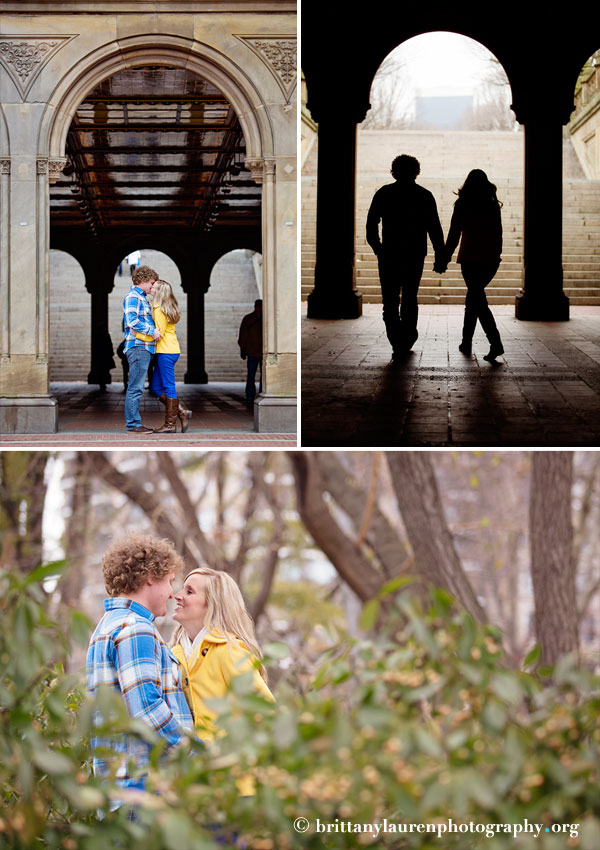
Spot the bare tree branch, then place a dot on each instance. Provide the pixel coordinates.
(149, 502)
(344, 554)
(383, 538)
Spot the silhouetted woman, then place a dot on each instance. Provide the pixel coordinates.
(476, 221)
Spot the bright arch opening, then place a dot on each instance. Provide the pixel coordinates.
(235, 284)
(440, 81)
(70, 319)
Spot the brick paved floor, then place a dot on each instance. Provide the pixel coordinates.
(545, 390)
(91, 418)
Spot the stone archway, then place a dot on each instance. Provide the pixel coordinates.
(245, 77)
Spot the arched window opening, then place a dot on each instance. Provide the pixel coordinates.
(70, 319)
(235, 284)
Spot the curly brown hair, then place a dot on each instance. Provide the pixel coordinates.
(142, 274)
(134, 559)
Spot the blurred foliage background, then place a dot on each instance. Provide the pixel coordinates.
(429, 620)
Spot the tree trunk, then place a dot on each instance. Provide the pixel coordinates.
(76, 532)
(552, 559)
(22, 497)
(436, 559)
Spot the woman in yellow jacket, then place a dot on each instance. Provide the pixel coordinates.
(166, 314)
(214, 642)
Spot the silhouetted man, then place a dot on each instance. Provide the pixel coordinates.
(250, 343)
(408, 213)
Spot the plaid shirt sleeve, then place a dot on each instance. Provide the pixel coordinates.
(138, 660)
(137, 318)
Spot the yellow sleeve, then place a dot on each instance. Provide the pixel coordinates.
(239, 660)
(160, 320)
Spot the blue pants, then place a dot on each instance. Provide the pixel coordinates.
(163, 380)
(139, 359)
(253, 364)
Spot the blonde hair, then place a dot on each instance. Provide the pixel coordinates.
(166, 301)
(226, 612)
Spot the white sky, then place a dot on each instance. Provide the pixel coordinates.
(443, 63)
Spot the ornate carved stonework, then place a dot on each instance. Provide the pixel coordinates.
(24, 57)
(55, 169)
(42, 166)
(256, 167)
(279, 53)
(4, 166)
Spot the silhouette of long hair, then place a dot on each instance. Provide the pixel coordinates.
(477, 191)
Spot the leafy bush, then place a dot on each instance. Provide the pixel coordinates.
(422, 724)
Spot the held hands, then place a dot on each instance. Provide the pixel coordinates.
(440, 265)
(156, 335)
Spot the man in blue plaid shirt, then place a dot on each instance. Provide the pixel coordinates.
(140, 343)
(128, 654)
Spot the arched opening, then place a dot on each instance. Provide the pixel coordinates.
(445, 99)
(155, 162)
(70, 319)
(581, 189)
(235, 284)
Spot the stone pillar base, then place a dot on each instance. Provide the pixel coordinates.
(553, 308)
(332, 306)
(29, 415)
(275, 414)
(196, 376)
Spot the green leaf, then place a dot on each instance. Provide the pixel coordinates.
(275, 651)
(533, 656)
(507, 687)
(54, 568)
(81, 628)
(52, 763)
(494, 715)
(395, 584)
(427, 743)
(369, 615)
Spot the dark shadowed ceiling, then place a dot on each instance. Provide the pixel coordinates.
(155, 147)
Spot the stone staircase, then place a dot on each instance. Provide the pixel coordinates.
(446, 158)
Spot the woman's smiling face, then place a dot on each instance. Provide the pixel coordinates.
(191, 604)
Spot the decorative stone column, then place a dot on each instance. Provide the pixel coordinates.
(542, 297)
(195, 285)
(4, 266)
(275, 409)
(25, 403)
(335, 295)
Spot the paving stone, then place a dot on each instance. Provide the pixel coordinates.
(88, 417)
(545, 390)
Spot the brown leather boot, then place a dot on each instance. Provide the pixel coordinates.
(170, 425)
(184, 417)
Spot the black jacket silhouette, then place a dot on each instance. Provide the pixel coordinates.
(408, 213)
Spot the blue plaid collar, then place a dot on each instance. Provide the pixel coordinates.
(121, 602)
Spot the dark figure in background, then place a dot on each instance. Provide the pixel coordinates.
(122, 357)
(477, 219)
(106, 356)
(250, 343)
(408, 213)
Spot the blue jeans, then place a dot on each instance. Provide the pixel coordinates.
(163, 379)
(253, 364)
(139, 359)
